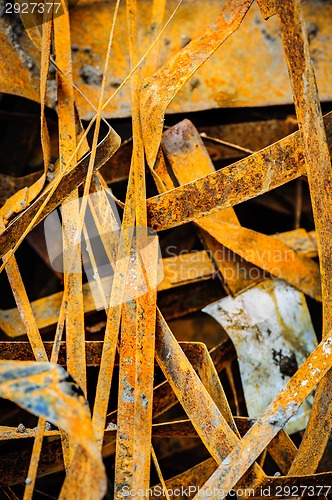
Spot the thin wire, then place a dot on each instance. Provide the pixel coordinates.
(88, 179)
(57, 182)
(144, 55)
(226, 143)
(161, 479)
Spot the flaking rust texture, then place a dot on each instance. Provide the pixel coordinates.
(169, 336)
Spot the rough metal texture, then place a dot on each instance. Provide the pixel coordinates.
(217, 84)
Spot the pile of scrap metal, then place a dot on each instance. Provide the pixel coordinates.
(166, 296)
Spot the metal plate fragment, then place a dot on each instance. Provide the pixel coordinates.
(273, 335)
(260, 80)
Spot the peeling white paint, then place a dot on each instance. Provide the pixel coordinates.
(271, 329)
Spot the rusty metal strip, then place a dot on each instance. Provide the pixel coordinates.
(160, 89)
(7, 432)
(269, 254)
(176, 428)
(13, 466)
(198, 355)
(111, 333)
(114, 311)
(241, 181)
(24, 307)
(197, 475)
(22, 351)
(16, 350)
(190, 481)
(217, 83)
(281, 448)
(313, 135)
(118, 287)
(140, 373)
(273, 419)
(75, 332)
(188, 158)
(160, 476)
(70, 180)
(46, 148)
(163, 396)
(283, 451)
(157, 16)
(205, 416)
(221, 84)
(22, 198)
(47, 392)
(10, 185)
(246, 133)
(317, 432)
(300, 240)
(70, 213)
(178, 271)
(25, 310)
(105, 219)
(124, 463)
(318, 165)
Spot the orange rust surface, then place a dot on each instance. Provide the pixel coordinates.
(217, 84)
